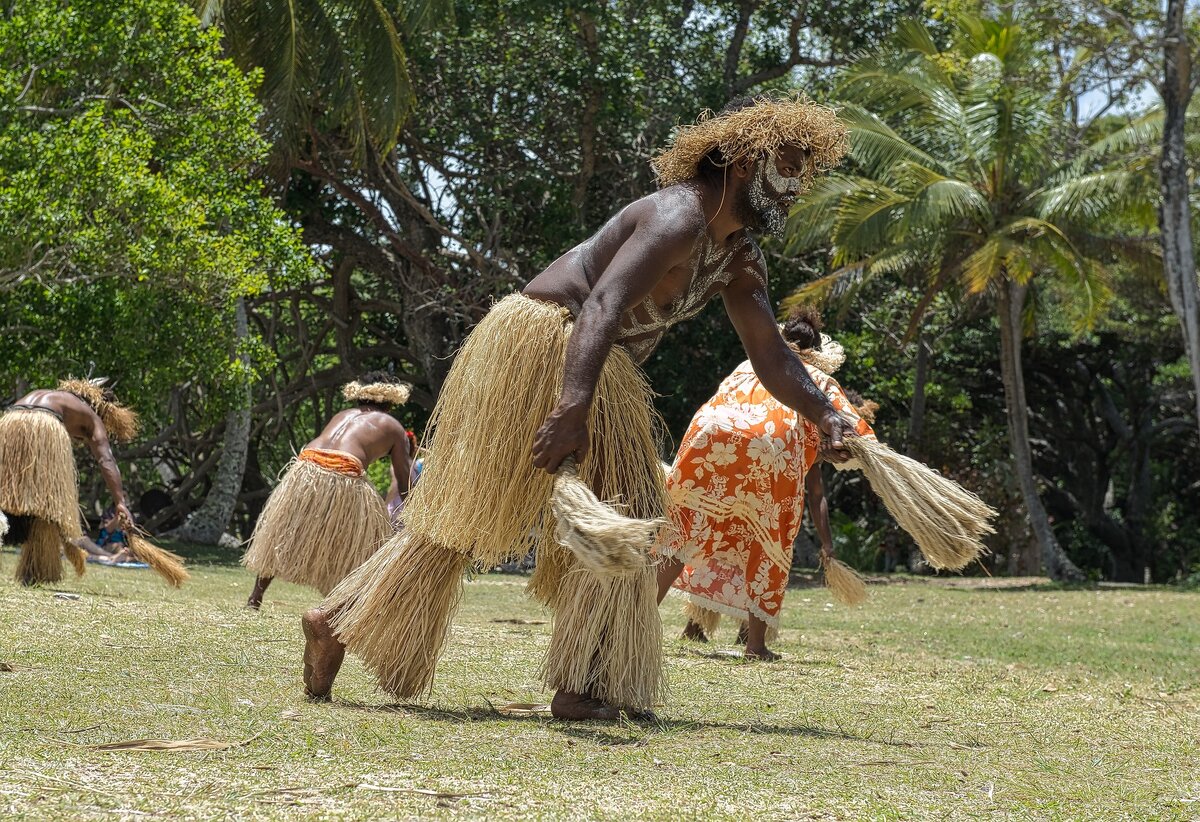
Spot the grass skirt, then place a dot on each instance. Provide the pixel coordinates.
(37, 471)
(317, 527)
(41, 554)
(480, 500)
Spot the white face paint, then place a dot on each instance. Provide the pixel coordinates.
(771, 195)
(776, 182)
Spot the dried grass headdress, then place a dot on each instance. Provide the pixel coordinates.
(753, 132)
(829, 357)
(382, 393)
(120, 422)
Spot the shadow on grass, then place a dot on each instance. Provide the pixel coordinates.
(609, 733)
(196, 554)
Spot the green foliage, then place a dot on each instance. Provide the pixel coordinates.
(329, 66)
(128, 147)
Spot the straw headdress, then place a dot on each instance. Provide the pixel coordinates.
(829, 357)
(383, 393)
(120, 422)
(752, 132)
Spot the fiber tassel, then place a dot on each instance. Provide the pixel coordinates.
(843, 581)
(167, 565)
(946, 521)
(606, 543)
(76, 555)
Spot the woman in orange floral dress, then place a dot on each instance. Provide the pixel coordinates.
(737, 489)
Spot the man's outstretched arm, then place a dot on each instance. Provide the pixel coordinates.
(778, 368)
(656, 246)
(102, 451)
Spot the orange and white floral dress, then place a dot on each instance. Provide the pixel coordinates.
(737, 494)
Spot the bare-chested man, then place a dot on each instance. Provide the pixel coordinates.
(552, 373)
(38, 483)
(325, 518)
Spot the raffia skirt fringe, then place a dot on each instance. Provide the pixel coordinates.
(317, 527)
(480, 501)
(37, 470)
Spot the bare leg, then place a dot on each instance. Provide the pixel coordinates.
(323, 655)
(743, 635)
(260, 588)
(756, 641)
(668, 571)
(694, 632)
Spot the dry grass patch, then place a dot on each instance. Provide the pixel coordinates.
(927, 702)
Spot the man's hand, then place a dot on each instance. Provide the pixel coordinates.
(563, 434)
(836, 429)
(124, 516)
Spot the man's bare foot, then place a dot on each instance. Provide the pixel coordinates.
(254, 603)
(761, 654)
(694, 632)
(567, 705)
(323, 655)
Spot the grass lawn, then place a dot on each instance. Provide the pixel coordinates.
(931, 701)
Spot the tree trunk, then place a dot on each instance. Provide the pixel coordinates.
(1011, 305)
(1179, 262)
(208, 523)
(916, 410)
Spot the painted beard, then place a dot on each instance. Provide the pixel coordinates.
(767, 198)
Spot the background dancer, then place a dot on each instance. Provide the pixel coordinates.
(325, 518)
(38, 481)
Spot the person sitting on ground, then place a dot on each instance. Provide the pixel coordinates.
(110, 546)
(325, 518)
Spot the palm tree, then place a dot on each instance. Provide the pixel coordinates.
(955, 184)
(328, 65)
(332, 67)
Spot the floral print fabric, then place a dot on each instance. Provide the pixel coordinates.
(737, 494)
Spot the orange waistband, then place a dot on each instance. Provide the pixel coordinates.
(330, 460)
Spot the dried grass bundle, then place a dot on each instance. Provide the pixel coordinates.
(317, 526)
(76, 555)
(607, 639)
(605, 542)
(479, 491)
(394, 611)
(37, 470)
(121, 423)
(552, 562)
(752, 133)
(843, 581)
(697, 614)
(167, 565)
(946, 520)
(41, 554)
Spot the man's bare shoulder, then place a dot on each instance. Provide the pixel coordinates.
(673, 213)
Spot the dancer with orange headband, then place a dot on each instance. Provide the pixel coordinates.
(324, 518)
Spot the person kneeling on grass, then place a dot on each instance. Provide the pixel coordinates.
(738, 489)
(325, 518)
